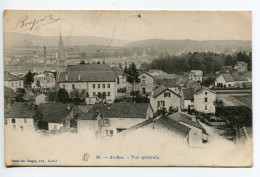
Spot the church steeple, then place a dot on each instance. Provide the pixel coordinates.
(61, 55)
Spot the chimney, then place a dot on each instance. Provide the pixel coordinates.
(66, 77)
(79, 77)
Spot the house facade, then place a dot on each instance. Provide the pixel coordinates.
(204, 100)
(22, 116)
(91, 81)
(196, 75)
(164, 98)
(12, 81)
(55, 116)
(145, 86)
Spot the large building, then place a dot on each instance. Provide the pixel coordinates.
(92, 80)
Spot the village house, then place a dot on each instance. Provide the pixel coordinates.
(187, 99)
(233, 80)
(107, 120)
(197, 134)
(23, 116)
(240, 67)
(92, 79)
(196, 75)
(161, 126)
(55, 116)
(12, 81)
(145, 86)
(204, 100)
(224, 80)
(164, 98)
(227, 69)
(172, 85)
(45, 80)
(9, 98)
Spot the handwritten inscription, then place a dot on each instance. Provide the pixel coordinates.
(28, 23)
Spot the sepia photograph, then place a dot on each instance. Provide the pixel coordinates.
(128, 88)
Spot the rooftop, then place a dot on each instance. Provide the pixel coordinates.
(91, 67)
(197, 72)
(162, 89)
(188, 94)
(22, 110)
(179, 117)
(164, 123)
(88, 76)
(11, 77)
(117, 110)
(53, 112)
(9, 92)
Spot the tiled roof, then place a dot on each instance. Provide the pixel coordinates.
(22, 110)
(228, 77)
(9, 92)
(117, 70)
(88, 76)
(193, 84)
(53, 112)
(118, 110)
(179, 117)
(168, 83)
(167, 76)
(164, 123)
(11, 77)
(91, 67)
(248, 74)
(161, 89)
(188, 94)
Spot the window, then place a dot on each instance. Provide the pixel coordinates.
(103, 85)
(161, 103)
(12, 85)
(73, 86)
(63, 86)
(94, 85)
(20, 83)
(206, 93)
(94, 94)
(13, 120)
(21, 127)
(25, 120)
(143, 77)
(15, 84)
(98, 85)
(111, 132)
(108, 93)
(143, 81)
(206, 100)
(108, 85)
(167, 94)
(106, 122)
(206, 108)
(55, 127)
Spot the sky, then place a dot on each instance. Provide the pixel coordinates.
(133, 25)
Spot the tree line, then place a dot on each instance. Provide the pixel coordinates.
(208, 62)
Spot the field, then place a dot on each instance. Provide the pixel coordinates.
(236, 99)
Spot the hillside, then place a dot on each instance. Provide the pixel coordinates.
(184, 46)
(27, 40)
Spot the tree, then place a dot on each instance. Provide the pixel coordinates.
(38, 83)
(28, 78)
(52, 95)
(132, 75)
(62, 95)
(20, 93)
